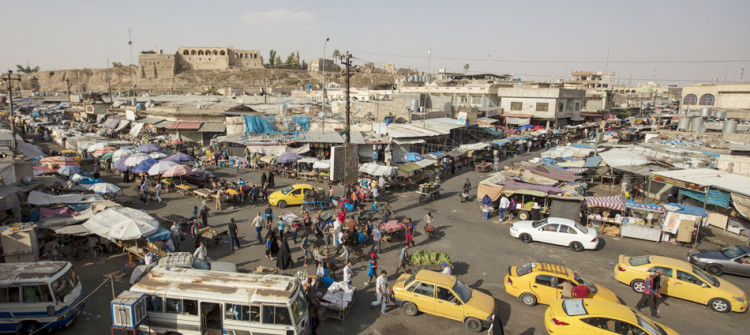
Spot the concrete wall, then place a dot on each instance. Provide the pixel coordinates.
(156, 65)
(244, 58)
(726, 96)
(734, 164)
(528, 106)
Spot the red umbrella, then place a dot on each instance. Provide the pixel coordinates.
(177, 170)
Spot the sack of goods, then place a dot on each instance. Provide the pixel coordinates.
(427, 187)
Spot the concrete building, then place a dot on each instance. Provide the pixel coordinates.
(732, 97)
(540, 104)
(593, 80)
(156, 63)
(317, 65)
(456, 93)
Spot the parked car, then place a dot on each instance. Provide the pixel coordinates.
(682, 280)
(200, 178)
(734, 260)
(444, 295)
(558, 231)
(71, 154)
(590, 316)
(182, 260)
(293, 195)
(538, 283)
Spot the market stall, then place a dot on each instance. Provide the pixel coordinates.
(604, 213)
(643, 221)
(682, 222)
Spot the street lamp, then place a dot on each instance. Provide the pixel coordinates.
(323, 109)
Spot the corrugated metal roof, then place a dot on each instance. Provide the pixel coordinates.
(184, 125)
(161, 124)
(321, 137)
(213, 127)
(442, 124)
(150, 120)
(404, 130)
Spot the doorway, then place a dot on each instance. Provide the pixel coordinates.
(211, 318)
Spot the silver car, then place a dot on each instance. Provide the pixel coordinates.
(734, 260)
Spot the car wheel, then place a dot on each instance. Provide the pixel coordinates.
(576, 246)
(527, 299)
(473, 324)
(410, 309)
(523, 215)
(638, 285)
(720, 305)
(281, 204)
(715, 269)
(525, 238)
(31, 327)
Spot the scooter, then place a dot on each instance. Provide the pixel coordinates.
(464, 196)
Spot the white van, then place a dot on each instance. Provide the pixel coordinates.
(188, 301)
(36, 295)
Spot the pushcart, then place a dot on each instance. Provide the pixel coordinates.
(429, 191)
(392, 231)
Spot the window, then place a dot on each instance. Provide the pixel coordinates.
(445, 294)
(154, 303)
(413, 285)
(426, 290)
(516, 106)
(32, 294)
(690, 99)
(276, 315)
(578, 106)
(689, 278)
(222, 53)
(178, 306)
(561, 107)
(544, 280)
(706, 100)
(552, 227)
(191, 307)
(297, 191)
(174, 306)
(10, 294)
(242, 313)
(638, 261)
(542, 106)
(667, 271)
(567, 229)
(185, 52)
(299, 307)
(603, 323)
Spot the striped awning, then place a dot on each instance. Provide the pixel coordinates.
(646, 207)
(27, 149)
(614, 202)
(715, 197)
(577, 170)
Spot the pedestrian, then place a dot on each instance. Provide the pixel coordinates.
(271, 180)
(176, 234)
(372, 268)
(649, 296)
(96, 170)
(254, 195)
(317, 255)
(567, 289)
(504, 204)
(331, 193)
(264, 192)
(269, 213)
(269, 245)
(200, 253)
(158, 192)
(144, 193)
(195, 213)
(219, 198)
(497, 160)
(348, 273)
(263, 178)
(446, 269)
(204, 215)
(381, 287)
(376, 235)
(386, 212)
(403, 259)
(196, 233)
(658, 285)
(284, 257)
(148, 257)
(259, 222)
(305, 248)
(512, 208)
(326, 234)
(375, 192)
(233, 232)
(409, 232)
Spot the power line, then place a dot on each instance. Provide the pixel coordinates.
(537, 61)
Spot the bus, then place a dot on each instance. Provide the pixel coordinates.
(186, 301)
(38, 295)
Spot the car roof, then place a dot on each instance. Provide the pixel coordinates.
(561, 220)
(435, 278)
(671, 262)
(551, 268)
(603, 308)
(302, 185)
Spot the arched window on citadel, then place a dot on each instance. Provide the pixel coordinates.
(222, 53)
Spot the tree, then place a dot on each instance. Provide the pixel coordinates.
(466, 68)
(272, 58)
(336, 53)
(27, 69)
(290, 62)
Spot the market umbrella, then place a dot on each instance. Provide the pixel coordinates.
(288, 157)
(122, 153)
(413, 157)
(119, 164)
(144, 165)
(108, 155)
(59, 161)
(68, 170)
(136, 159)
(159, 167)
(538, 128)
(526, 126)
(96, 146)
(103, 150)
(104, 188)
(148, 148)
(157, 155)
(177, 170)
(180, 157)
(122, 223)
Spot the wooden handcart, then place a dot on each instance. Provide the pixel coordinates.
(392, 231)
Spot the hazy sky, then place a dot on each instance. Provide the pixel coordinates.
(647, 40)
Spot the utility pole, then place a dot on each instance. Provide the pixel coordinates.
(67, 82)
(348, 62)
(10, 78)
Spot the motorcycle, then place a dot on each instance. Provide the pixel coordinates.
(428, 230)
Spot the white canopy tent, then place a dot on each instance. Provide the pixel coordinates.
(122, 223)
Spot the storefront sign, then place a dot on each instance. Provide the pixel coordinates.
(678, 183)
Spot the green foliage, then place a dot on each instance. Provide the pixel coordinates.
(271, 58)
(27, 69)
(210, 91)
(336, 53)
(291, 81)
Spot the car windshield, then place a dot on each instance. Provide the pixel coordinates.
(287, 190)
(582, 228)
(705, 276)
(409, 280)
(638, 261)
(648, 326)
(69, 154)
(581, 281)
(525, 269)
(463, 291)
(732, 252)
(538, 223)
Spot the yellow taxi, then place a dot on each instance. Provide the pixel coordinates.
(444, 295)
(682, 280)
(292, 195)
(71, 154)
(590, 316)
(538, 283)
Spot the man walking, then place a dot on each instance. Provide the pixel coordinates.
(158, 191)
(348, 273)
(381, 286)
(375, 240)
(409, 233)
(259, 222)
(504, 204)
(204, 215)
(144, 192)
(403, 259)
(176, 235)
(649, 296)
(233, 232)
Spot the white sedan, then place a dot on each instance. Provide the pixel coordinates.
(556, 231)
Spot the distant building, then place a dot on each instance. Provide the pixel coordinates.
(540, 104)
(155, 63)
(728, 96)
(317, 65)
(593, 80)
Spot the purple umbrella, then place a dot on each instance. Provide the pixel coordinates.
(148, 148)
(288, 157)
(179, 157)
(120, 164)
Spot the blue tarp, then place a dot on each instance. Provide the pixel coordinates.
(303, 122)
(260, 125)
(716, 198)
(581, 145)
(501, 142)
(592, 162)
(692, 210)
(160, 235)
